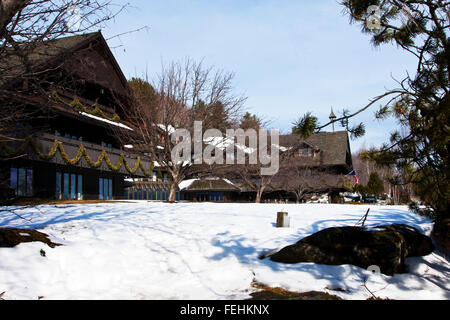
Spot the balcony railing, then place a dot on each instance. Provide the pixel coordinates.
(45, 143)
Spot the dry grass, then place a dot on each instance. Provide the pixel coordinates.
(269, 293)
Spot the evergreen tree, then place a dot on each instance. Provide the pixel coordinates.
(250, 121)
(421, 104)
(218, 117)
(375, 184)
(145, 95)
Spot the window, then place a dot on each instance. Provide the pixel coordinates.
(105, 187)
(80, 187)
(216, 196)
(21, 180)
(73, 186)
(100, 189)
(306, 152)
(58, 189)
(69, 186)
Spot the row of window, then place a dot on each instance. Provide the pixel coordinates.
(150, 194)
(304, 153)
(69, 186)
(216, 196)
(163, 177)
(209, 196)
(21, 180)
(105, 191)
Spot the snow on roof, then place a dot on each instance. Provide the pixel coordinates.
(223, 142)
(170, 129)
(186, 183)
(105, 120)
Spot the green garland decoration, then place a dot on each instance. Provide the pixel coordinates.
(77, 105)
(58, 146)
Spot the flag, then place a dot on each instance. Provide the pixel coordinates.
(353, 173)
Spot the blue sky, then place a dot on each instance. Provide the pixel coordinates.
(289, 57)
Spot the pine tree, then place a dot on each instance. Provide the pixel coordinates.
(421, 103)
(375, 184)
(145, 94)
(250, 121)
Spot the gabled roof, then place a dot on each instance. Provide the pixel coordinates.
(334, 146)
(38, 55)
(47, 54)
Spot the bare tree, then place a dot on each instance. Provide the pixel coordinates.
(252, 173)
(249, 177)
(294, 178)
(364, 167)
(180, 88)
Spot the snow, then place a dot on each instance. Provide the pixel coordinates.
(117, 124)
(156, 250)
(169, 128)
(186, 183)
(224, 142)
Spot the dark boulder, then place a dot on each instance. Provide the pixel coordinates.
(384, 246)
(10, 237)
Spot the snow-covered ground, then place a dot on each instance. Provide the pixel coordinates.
(154, 250)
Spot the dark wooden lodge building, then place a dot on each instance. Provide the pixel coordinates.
(67, 149)
(210, 189)
(317, 165)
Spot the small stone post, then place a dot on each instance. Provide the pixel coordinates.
(282, 220)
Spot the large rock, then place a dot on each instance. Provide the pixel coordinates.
(10, 237)
(384, 246)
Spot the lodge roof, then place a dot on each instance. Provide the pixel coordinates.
(210, 184)
(49, 55)
(334, 146)
(39, 54)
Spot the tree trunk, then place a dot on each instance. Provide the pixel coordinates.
(173, 191)
(259, 195)
(299, 196)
